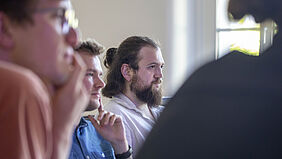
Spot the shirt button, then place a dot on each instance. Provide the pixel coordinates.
(103, 155)
(87, 157)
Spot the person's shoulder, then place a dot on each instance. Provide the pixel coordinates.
(17, 75)
(117, 107)
(158, 108)
(234, 60)
(229, 66)
(113, 107)
(88, 125)
(24, 107)
(111, 103)
(114, 104)
(17, 78)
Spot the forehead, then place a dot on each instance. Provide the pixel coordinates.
(150, 55)
(91, 61)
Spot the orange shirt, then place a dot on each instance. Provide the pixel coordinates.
(25, 114)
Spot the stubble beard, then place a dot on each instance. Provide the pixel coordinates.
(92, 105)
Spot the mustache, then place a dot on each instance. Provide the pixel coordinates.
(157, 81)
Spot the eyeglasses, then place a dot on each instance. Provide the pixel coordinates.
(67, 17)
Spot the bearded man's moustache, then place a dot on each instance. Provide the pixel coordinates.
(158, 81)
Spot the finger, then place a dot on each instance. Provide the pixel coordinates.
(113, 119)
(94, 122)
(119, 118)
(101, 115)
(78, 71)
(101, 105)
(105, 119)
(100, 108)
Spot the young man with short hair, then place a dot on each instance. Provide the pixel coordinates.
(106, 137)
(41, 79)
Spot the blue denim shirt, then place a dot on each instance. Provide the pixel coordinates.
(89, 144)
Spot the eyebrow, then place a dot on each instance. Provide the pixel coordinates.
(91, 70)
(155, 63)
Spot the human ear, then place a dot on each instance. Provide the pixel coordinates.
(126, 72)
(6, 41)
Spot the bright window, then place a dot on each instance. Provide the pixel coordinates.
(244, 35)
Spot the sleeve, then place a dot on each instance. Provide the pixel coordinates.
(25, 117)
(128, 134)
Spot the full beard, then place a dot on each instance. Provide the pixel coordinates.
(153, 97)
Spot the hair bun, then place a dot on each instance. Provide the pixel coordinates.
(110, 57)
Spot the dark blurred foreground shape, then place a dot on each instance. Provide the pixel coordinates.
(230, 108)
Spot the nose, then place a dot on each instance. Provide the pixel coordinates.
(72, 37)
(159, 73)
(99, 83)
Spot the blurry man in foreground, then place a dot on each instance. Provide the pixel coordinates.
(40, 79)
(230, 108)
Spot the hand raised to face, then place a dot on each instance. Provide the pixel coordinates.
(72, 98)
(110, 127)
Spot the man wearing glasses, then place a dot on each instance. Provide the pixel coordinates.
(40, 79)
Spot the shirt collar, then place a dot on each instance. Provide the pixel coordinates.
(83, 122)
(125, 101)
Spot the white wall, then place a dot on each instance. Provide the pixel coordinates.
(196, 26)
(111, 21)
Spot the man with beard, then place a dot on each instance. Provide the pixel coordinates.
(134, 84)
(106, 137)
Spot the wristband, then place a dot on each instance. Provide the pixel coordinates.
(124, 155)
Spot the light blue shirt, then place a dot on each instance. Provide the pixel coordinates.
(89, 144)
